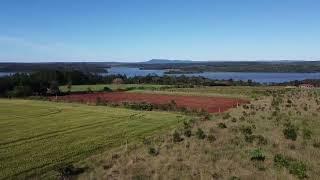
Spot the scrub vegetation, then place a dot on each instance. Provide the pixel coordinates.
(274, 137)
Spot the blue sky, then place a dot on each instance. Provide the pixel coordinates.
(138, 30)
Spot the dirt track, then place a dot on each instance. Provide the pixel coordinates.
(210, 104)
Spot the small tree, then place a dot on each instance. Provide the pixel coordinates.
(69, 86)
(54, 88)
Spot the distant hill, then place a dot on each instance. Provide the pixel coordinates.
(166, 61)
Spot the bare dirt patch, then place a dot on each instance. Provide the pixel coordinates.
(209, 104)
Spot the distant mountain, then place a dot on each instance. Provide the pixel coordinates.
(166, 61)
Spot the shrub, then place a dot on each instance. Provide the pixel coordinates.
(257, 155)
(246, 130)
(176, 137)
(69, 170)
(226, 116)
(295, 167)
(153, 151)
(298, 168)
(249, 138)
(89, 90)
(107, 89)
(306, 133)
(280, 161)
(187, 132)
(261, 140)
(234, 119)
(290, 132)
(20, 91)
(316, 144)
(200, 134)
(222, 125)
(211, 138)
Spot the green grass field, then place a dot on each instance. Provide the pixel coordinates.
(37, 136)
(99, 87)
(224, 91)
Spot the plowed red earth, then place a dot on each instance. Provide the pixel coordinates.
(210, 104)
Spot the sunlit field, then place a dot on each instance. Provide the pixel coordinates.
(37, 137)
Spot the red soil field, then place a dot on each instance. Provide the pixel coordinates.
(209, 104)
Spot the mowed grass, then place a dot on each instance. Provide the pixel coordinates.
(224, 91)
(99, 87)
(38, 136)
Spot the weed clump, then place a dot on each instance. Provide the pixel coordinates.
(153, 151)
(67, 171)
(222, 125)
(176, 137)
(200, 134)
(295, 167)
(257, 155)
(226, 116)
(306, 134)
(316, 144)
(187, 132)
(290, 132)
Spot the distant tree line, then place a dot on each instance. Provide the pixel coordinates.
(47, 82)
(315, 82)
(239, 66)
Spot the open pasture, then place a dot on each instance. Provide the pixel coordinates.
(38, 136)
(247, 92)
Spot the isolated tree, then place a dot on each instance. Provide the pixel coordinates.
(69, 86)
(54, 88)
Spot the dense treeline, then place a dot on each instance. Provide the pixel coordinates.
(55, 66)
(48, 82)
(315, 82)
(240, 66)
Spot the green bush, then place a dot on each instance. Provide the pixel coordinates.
(67, 171)
(20, 91)
(226, 116)
(107, 89)
(298, 168)
(211, 138)
(295, 167)
(280, 161)
(187, 132)
(176, 137)
(261, 140)
(306, 133)
(290, 132)
(257, 155)
(200, 134)
(246, 130)
(316, 144)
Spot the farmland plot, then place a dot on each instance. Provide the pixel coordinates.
(38, 136)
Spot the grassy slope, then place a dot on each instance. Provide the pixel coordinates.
(229, 155)
(225, 91)
(35, 136)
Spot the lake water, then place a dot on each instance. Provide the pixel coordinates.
(244, 76)
(5, 73)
